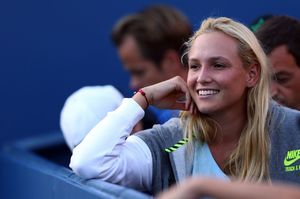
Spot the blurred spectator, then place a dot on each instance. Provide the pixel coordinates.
(280, 38)
(259, 21)
(149, 44)
(84, 109)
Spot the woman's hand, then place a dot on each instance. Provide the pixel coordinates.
(169, 94)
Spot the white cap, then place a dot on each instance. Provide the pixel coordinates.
(84, 109)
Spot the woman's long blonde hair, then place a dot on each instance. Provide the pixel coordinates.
(249, 161)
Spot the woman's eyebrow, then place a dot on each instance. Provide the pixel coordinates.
(211, 59)
(218, 58)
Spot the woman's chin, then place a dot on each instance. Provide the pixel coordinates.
(206, 110)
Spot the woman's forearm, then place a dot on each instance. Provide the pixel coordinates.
(106, 154)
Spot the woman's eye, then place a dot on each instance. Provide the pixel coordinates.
(194, 66)
(219, 66)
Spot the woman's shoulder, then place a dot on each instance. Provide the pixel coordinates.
(284, 125)
(283, 115)
(285, 143)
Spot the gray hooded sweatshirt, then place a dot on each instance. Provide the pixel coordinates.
(168, 168)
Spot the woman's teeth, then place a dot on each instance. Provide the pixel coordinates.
(207, 92)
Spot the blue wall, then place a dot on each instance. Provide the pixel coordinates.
(48, 49)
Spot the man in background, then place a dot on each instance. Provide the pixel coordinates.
(149, 44)
(280, 38)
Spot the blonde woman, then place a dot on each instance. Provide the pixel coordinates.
(229, 128)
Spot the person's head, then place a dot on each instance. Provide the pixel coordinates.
(280, 38)
(259, 21)
(228, 77)
(84, 109)
(149, 44)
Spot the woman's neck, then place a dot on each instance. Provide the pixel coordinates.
(230, 126)
(229, 130)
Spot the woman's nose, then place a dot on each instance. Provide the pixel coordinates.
(204, 75)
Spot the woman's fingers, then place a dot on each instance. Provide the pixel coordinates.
(185, 97)
(170, 94)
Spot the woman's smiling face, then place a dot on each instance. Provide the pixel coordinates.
(217, 79)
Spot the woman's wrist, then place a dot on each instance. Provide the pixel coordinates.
(141, 98)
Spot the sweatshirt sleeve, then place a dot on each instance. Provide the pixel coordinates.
(107, 153)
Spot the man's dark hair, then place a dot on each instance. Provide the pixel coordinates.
(156, 29)
(259, 21)
(280, 30)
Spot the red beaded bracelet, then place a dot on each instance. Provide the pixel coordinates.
(143, 94)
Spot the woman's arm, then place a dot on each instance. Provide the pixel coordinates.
(106, 154)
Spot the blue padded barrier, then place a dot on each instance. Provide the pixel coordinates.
(38, 168)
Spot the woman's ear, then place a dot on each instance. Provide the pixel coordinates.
(253, 75)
